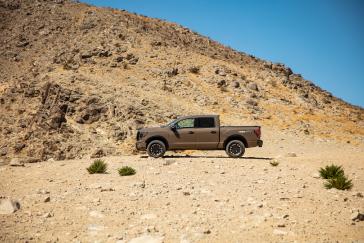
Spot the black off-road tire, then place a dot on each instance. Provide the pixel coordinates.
(156, 149)
(235, 149)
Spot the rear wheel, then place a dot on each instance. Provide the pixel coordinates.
(156, 149)
(235, 149)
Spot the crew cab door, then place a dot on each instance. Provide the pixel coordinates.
(206, 133)
(184, 135)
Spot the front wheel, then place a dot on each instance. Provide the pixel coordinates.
(235, 149)
(156, 149)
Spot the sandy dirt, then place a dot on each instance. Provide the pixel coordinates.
(206, 197)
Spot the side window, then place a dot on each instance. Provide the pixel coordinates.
(205, 122)
(186, 123)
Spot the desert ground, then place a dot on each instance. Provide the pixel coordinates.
(190, 197)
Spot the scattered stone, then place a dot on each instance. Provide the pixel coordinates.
(47, 199)
(357, 216)
(252, 102)
(42, 191)
(186, 193)
(18, 147)
(291, 154)
(207, 232)
(3, 151)
(8, 206)
(358, 194)
(169, 161)
(316, 175)
(16, 162)
(253, 86)
(281, 225)
(107, 189)
(47, 215)
(236, 84)
(140, 184)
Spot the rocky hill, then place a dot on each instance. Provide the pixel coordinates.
(77, 80)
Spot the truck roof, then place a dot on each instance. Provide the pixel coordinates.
(194, 116)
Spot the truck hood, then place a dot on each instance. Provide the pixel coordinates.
(153, 129)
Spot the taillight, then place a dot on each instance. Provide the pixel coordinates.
(257, 132)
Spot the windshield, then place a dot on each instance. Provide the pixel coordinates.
(170, 123)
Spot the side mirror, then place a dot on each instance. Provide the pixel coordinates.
(173, 127)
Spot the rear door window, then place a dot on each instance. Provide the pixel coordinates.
(205, 122)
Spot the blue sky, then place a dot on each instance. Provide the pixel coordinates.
(321, 39)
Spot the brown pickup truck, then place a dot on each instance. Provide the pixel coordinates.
(198, 133)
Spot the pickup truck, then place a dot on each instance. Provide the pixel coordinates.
(201, 132)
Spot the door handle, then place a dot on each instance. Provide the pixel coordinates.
(190, 132)
(213, 132)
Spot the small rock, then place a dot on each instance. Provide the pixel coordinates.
(186, 193)
(47, 199)
(169, 162)
(8, 206)
(253, 86)
(207, 232)
(291, 154)
(358, 194)
(3, 151)
(16, 162)
(357, 216)
(252, 102)
(281, 225)
(108, 189)
(236, 84)
(140, 184)
(316, 175)
(47, 215)
(42, 191)
(18, 147)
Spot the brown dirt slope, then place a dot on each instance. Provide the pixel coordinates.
(75, 78)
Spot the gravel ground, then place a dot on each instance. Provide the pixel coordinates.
(203, 197)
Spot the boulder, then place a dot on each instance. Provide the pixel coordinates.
(8, 206)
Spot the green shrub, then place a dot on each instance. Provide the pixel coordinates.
(274, 163)
(98, 166)
(126, 171)
(339, 182)
(331, 172)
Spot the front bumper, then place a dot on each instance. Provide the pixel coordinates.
(260, 143)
